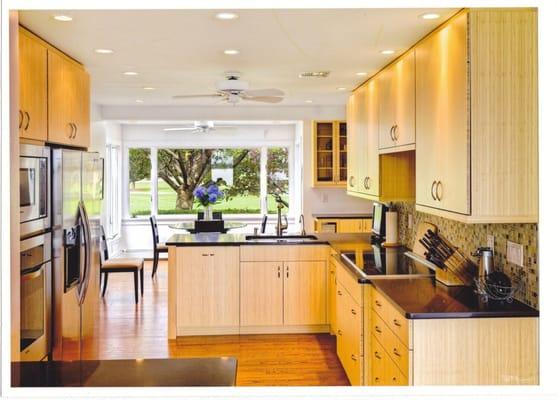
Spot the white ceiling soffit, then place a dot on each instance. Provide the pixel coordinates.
(181, 51)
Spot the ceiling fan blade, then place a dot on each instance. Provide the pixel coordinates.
(264, 99)
(191, 96)
(263, 92)
(184, 128)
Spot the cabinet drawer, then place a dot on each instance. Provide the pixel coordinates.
(384, 370)
(393, 318)
(398, 352)
(350, 283)
(349, 335)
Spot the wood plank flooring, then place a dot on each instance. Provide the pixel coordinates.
(126, 330)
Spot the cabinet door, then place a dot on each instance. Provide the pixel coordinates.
(397, 103)
(371, 160)
(442, 150)
(353, 149)
(207, 287)
(362, 111)
(342, 153)
(331, 296)
(324, 161)
(61, 99)
(305, 298)
(32, 87)
(261, 293)
(81, 107)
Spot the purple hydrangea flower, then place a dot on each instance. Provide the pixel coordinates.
(213, 189)
(199, 192)
(212, 197)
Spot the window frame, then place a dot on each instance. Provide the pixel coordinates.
(290, 146)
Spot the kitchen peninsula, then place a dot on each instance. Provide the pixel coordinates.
(398, 326)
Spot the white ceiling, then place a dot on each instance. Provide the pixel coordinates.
(181, 51)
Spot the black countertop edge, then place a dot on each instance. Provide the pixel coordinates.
(239, 239)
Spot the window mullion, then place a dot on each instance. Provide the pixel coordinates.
(263, 180)
(154, 182)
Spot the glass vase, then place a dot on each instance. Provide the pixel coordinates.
(208, 213)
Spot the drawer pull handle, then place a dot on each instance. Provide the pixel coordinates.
(377, 329)
(394, 379)
(353, 357)
(396, 352)
(339, 332)
(377, 355)
(353, 311)
(208, 254)
(396, 322)
(376, 379)
(339, 293)
(378, 303)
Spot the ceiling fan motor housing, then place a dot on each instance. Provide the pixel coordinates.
(232, 85)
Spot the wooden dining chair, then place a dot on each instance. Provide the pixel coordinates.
(108, 266)
(158, 248)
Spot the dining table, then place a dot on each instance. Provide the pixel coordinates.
(190, 225)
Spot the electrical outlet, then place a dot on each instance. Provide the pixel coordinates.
(514, 253)
(490, 241)
(410, 221)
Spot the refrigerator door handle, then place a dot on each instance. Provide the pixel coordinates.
(84, 281)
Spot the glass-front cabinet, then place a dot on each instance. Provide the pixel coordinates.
(329, 153)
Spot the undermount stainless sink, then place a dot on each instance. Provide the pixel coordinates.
(282, 239)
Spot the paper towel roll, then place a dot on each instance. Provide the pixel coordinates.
(392, 234)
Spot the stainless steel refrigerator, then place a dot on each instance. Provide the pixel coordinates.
(77, 185)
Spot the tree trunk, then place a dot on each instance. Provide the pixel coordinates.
(184, 199)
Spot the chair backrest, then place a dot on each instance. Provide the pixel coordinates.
(209, 226)
(154, 230)
(103, 246)
(264, 223)
(216, 215)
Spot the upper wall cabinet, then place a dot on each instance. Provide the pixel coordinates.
(32, 87)
(396, 86)
(476, 150)
(329, 153)
(68, 96)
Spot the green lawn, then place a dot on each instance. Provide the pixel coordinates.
(140, 202)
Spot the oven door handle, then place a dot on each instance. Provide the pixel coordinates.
(33, 273)
(84, 280)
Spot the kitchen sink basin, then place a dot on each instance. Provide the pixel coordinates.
(282, 239)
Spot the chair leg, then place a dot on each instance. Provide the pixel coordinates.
(141, 279)
(136, 285)
(105, 283)
(155, 263)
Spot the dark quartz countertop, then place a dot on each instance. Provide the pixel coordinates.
(424, 298)
(239, 239)
(215, 371)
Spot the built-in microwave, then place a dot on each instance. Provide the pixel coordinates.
(35, 297)
(34, 191)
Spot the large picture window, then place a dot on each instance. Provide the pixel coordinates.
(248, 177)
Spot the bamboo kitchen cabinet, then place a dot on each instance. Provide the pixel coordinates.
(396, 92)
(32, 87)
(329, 153)
(476, 119)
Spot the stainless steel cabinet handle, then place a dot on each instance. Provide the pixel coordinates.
(376, 379)
(353, 357)
(28, 120)
(377, 329)
(438, 186)
(70, 136)
(339, 293)
(20, 119)
(208, 254)
(378, 303)
(353, 311)
(432, 190)
(75, 129)
(352, 181)
(395, 135)
(391, 133)
(396, 322)
(377, 355)
(279, 271)
(287, 271)
(396, 352)
(339, 332)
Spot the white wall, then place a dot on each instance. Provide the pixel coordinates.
(136, 235)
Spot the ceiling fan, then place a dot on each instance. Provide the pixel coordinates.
(232, 90)
(199, 127)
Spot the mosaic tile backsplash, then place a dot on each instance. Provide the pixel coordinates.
(468, 237)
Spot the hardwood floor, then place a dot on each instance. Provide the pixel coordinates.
(127, 330)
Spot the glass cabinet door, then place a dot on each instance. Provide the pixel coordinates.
(330, 153)
(324, 152)
(342, 152)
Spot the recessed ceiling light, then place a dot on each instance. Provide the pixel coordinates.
(362, 73)
(129, 73)
(226, 15)
(308, 101)
(139, 101)
(148, 88)
(62, 18)
(341, 88)
(387, 52)
(104, 51)
(231, 52)
(430, 16)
